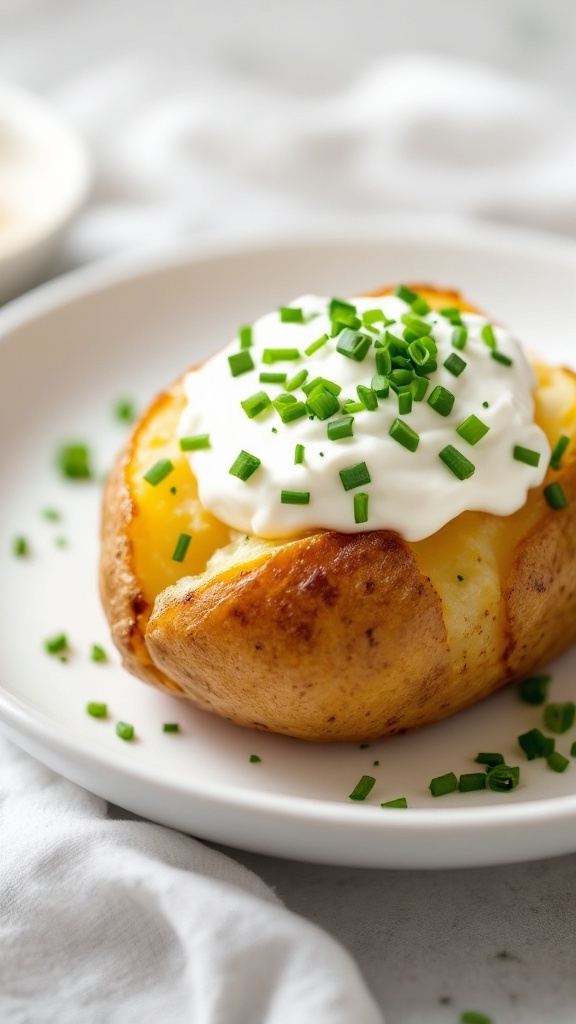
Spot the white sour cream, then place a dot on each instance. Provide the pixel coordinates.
(411, 492)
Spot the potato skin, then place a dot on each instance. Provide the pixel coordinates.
(345, 637)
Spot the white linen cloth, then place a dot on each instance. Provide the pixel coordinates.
(118, 921)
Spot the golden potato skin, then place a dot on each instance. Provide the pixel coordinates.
(345, 637)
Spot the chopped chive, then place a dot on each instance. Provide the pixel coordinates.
(52, 515)
(244, 466)
(74, 462)
(196, 441)
(322, 382)
(420, 306)
(295, 497)
(254, 759)
(559, 717)
(404, 435)
(472, 429)
(573, 750)
(399, 377)
(534, 689)
(360, 507)
(240, 362)
(380, 386)
(158, 472)
(502, 778)
(273, 378)
(485, 405)
(472, 781)
(171, 727)
(383, 361)
(294, 411)
(559, 449)
(316, 345)
(98, 653)
(456, 462)
(278, 355)
(419, 387)
(398, 802)
(299, 454)
(56, 644)
(322, 403)
(535, 744)
(501, 358)
(337, 306)
(351, 406)
(355, 476)
(124, 411)
(459, 337)
(353, 344)
(245, 336)
(454, 364)
(557, 762)
(404, 402)
(418, 352)
(368, 397)
(375, 316)
(255, 404)
(337, 429)
(441, 400)
(527, 455)
(181, 548)
(296, 381)
(453, 314)
(124, 730)
(473, 1017)
(97, 710)
(345, 319)
(420, 328)
(20, 547)
(555, 497)
(363, 788)
(443, 784)
(488, 336)
(490, 759)
(406, 294)
(291, 315)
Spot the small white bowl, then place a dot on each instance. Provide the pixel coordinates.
(44, 179)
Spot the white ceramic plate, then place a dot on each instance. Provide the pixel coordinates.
(67, 352)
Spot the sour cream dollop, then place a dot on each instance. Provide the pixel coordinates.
(412, 492)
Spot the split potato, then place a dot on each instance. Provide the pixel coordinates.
(335, 636)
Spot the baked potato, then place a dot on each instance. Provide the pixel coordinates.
(335, 636)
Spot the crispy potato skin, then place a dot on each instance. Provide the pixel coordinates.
(338, 636)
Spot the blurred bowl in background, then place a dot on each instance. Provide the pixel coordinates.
(44, 179)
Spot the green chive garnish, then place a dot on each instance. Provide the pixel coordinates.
(255, 404)
(181, 548)
(171, 727)
(399, 802)
(404, 434)
(443, 784)
(322, 403)
(375, 316)
(502, 778)
(420, 306)
(273, 378)
(383, 361)
(573, 750)
(52, 515)
(557, 762)
(379, 384)
(454, 364)
(368, 397)
(459, 337)
(244, 465)
(355, 476)
(360, 507)
(98, 653)
(97, 710)
(419, 387)
(322, 382)
(441, 400)
(473, 1017)
(453, 314)
(291, 315)
(340, 306)
(400, 377)
(295, 497)
(501, 358)
(241, 362)
(254, 759)
(488, 336)
(555, 497)
(316, 345)
(196, 441)
(56, 644)
(74, 462)
(124, 730)
(279, 355)
(472, 429)
(404, 402)
(337, 429)
(124, 411)
(559, 449)
(535, 744)
(293, 411)
(559, 717)
(245, 336)
(456, 462)
(158, 472)
(489, 759)
(296, 381)
(353, 344)
(20, 547)
(406, 294)
(419, 328)
(352, 407)
(299, 454)
(472, 781)
(531, 458)
(534, 689)
(363, 788)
